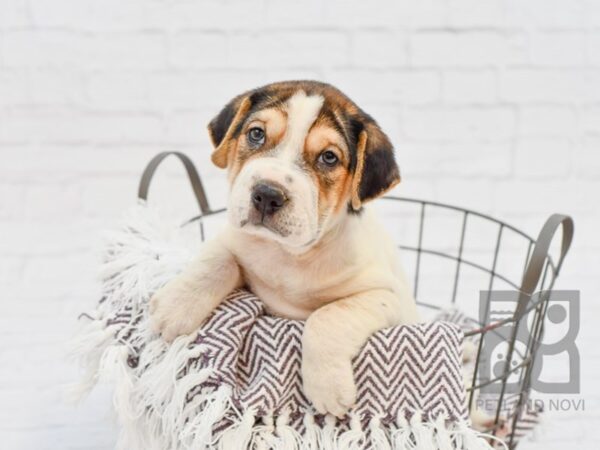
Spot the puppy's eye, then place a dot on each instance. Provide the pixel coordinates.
(256, 137)
(328, 158)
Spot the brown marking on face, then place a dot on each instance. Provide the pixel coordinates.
(360, 158)
(366, 167)
(332, 181)
(273, 122)
(223, 138)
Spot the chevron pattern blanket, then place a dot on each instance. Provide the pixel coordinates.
(236, 383)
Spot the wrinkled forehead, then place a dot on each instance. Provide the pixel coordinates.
(294, 118)
(299, 109)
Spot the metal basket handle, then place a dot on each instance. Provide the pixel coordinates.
(539, 256)
(192, 174)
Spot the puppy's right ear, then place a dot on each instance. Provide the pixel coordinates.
(223, 128)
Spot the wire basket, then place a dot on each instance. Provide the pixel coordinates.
(449, 269)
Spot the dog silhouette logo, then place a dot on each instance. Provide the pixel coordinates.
(538, 344)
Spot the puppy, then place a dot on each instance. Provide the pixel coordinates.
(302, 160)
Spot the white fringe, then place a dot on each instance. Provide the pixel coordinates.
(113, 368)
(197, 432)
(144, 253)
(327, 436)
(353, 438)
(240, 435)
(287, 437)
(89, 345)
(311, 431)
(380, 438)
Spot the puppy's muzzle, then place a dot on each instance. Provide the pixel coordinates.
(267, 199)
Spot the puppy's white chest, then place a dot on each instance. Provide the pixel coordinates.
(294, 286)
(285, 288)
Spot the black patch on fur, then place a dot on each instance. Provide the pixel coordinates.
(259, 97)
(355, 126)
(220, 124)
(334, 120)
(379, 172)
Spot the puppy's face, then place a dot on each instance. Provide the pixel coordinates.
(301, 157)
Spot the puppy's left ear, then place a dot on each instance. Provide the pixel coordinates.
(222, 128)
(376, 169)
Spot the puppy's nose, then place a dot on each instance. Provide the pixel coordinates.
(267, 199)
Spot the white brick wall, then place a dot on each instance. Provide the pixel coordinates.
(492, 104)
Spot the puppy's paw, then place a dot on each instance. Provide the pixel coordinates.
(176, 309)
(329, 385)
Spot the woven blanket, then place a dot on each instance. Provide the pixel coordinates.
(236, 383)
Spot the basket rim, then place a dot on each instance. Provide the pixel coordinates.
(453, 207)
(475, 331)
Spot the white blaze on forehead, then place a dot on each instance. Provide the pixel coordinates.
(299, 219)
(302, 111)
